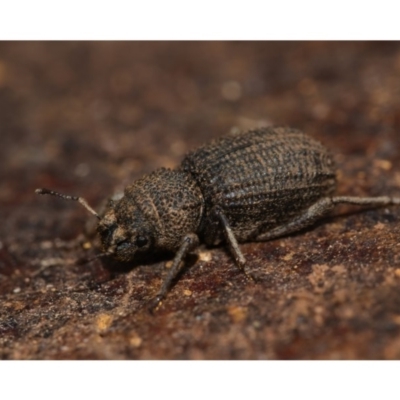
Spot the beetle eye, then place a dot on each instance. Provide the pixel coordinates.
(141, 241)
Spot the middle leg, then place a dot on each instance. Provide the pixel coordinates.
(232, 242)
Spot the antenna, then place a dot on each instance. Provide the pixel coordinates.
(67, 197)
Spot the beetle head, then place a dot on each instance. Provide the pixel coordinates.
(124, 230)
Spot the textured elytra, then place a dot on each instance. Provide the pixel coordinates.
(261, 179)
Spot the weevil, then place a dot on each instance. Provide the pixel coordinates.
(255, 186)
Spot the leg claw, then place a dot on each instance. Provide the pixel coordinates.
(154, 304)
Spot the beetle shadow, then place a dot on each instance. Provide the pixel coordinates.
(116, 267)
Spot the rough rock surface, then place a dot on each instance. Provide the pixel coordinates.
(88, 118)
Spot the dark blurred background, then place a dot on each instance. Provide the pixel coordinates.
(87, 118)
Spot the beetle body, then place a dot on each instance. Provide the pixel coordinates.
(254, 186)
(259, 180)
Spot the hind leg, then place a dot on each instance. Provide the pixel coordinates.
(309, 216)
(319, 209)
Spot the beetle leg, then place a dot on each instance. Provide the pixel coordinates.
(189, 242)
(232, 242)
(309, 216)
(319, 209)
(367, 201)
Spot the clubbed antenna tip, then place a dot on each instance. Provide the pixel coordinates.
(68, 197)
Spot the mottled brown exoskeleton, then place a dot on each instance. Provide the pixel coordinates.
(255, 186)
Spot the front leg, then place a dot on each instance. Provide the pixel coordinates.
(189, 242)
(232, 242)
